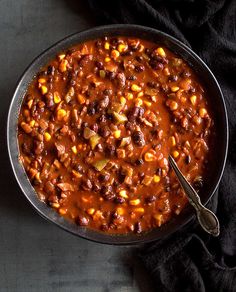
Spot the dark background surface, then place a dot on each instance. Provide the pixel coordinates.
(34, 254)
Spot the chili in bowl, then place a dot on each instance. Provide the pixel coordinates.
(99, 115)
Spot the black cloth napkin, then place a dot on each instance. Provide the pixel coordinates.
(190, 260)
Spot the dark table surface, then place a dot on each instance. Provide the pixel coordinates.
(34, 254)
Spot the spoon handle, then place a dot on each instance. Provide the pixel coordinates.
(206, 218)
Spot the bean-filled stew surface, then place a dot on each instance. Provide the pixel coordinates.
(96, 127)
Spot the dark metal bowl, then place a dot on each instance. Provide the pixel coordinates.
(217, 103)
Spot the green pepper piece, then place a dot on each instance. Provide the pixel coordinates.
(125, 141)
(120, 118)
(88, 133)
(94, 140)
(100, 164)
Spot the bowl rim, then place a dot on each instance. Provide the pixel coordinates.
(17, 168)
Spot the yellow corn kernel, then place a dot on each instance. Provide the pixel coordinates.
(129, 95)
(156, 178)
(62, 211)
(37, 176)
(134, 202)
(122, 48)
(107, 59)
(120, 211)
(76, 173)
(80, 146)
(187, 144)
(175, 154)
(106, 46)
(115, 54)
(102, 73)
(91, 211)
(173, 105)
(47, 136)
(61, 113)
(44, 89)
(81, 99)
(135, 88)
(140, 94)
(32, 123)
(161, 52)
(148, 157)
(123, 194)
(42, 80)
(30, 103)
(159, 219)
(56, 97)
(202, 112)
(138, 102)
(62, 56)
(193, 99)
(166, 71)
(172, 141)
(56, 205)
(122, 100)
(174, 88)
(139, 210)
(147, 103)
(141, 48)
(74, 149)
(117, 134)
(63, 65)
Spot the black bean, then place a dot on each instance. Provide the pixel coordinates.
(104, 131)
(86, 184)
(150, 199)
(133, 114)
(127, 53)
(104, 177)
(85, 59)
(99, 65)
(155, 65)
(82, 221)
(119, 200)
(173, 78)
(139, 161)
(102, 119)
(78, 167)
(92, 108)
(96, 187)
(131, 78)
(139, 68)
(138, 138)
(130, 126)
(187, 159)
(147, 51)
(153, 84)
(139, 58)
(111, 75)
(110, 150)
(107, 193)
(51, 70)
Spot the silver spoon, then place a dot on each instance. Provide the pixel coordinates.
(206, 218)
